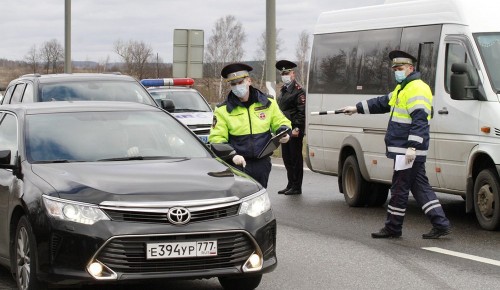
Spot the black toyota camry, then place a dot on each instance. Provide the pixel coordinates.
(105, 192)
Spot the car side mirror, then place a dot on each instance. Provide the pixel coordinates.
(167, 105)
(223, 150)
(5, 157)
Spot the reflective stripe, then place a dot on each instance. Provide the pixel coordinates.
(419, 98)
(416, 138)
(432, 207)
(429, 203)
(401, 150)
(419, 106)
(396, 208)
(396, 213)
(401, 111)
(400, 120)
(366, 109)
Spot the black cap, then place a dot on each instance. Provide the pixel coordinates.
(399, 57)
(285, 65)
(235, 71)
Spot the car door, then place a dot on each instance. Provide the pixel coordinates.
(8, 141)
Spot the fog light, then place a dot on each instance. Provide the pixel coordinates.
(254, 263)
(254, 260)
(95, 269)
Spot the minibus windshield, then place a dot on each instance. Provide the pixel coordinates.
(489, 47)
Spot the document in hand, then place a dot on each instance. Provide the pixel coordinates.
(400, 163)
(272, 144)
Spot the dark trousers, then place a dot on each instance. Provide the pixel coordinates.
(259, 169)
(415, 180)
(294, 162)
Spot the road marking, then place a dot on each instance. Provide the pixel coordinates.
(462, 255)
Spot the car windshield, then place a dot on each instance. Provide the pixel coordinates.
(489, 47)
(184, 101)
(108, 136)
(92, 90)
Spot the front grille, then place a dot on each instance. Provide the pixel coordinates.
(161, 217)
(201, 129)
(128, 254)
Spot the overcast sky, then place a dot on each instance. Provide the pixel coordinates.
(97, 24)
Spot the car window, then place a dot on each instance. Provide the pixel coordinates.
(184, 101)
(28, 96)
(93, 136)
(8, 135)
(8, 94)
(95, 91)
(18, 93)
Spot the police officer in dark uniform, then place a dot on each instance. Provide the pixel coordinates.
(246, 120)
(292, 102)
(410, 107)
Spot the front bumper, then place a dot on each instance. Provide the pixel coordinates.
(65, 253)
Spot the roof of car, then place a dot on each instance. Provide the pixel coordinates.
(76, 106)
(77, 77)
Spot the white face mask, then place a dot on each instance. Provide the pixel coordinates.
(240, 90)
(286, 79)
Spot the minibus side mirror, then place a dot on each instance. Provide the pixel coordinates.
(463, 81)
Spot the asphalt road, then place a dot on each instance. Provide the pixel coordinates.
(324, 244)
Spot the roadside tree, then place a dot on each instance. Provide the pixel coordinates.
(301, 53)
(136, 55)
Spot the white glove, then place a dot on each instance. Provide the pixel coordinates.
(239, 160)
(410, 155)
(349, 110)
(285, 138)
(133, 151)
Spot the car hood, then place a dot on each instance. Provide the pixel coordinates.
(145, 180)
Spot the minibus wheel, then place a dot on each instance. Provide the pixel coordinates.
(353, 184)
(486, 199)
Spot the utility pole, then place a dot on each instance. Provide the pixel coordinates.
(67, 36)
(271, 47)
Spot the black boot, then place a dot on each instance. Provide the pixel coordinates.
(435, 233)
(283, 190)
(293, 191)
(385, 234)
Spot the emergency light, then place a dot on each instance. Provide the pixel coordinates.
(167, 82)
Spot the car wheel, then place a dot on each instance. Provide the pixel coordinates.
(25, 257)
(487, 200)
(377, 195)
(244, 283)
(353, 183)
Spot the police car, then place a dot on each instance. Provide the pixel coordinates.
(183, 102)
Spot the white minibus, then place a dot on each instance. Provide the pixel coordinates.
(457, 44)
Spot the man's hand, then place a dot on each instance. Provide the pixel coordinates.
(349, 110)
(133, 151)
(285, 138)
(410, 155)
(239, 160)
(295, 132)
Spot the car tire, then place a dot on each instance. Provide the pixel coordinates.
(25, 257)
(243, 283)
(487, 199)
(354, 185)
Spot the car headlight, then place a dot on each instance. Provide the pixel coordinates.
(73, 211)
(255, 206)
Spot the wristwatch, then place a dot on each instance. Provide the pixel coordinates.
(412, 148)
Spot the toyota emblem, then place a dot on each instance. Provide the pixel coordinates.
(178, 215)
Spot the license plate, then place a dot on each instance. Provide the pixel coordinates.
(203, 138)
(181, 249)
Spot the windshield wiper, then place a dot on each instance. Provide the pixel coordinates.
(58, 161)
(188, 110)
(123, 158)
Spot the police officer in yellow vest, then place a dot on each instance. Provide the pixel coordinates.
(246, 120)
(410, 107)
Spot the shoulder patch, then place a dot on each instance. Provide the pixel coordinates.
(298, 86)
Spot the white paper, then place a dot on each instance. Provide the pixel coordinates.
(401, 163)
